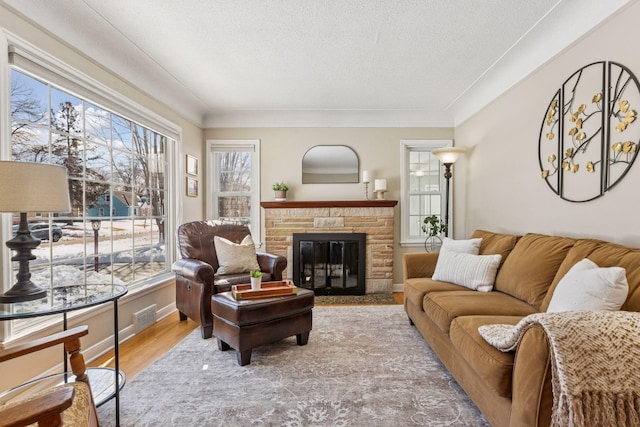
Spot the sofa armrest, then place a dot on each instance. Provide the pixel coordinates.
(419, 264)
(532, 395)
(194, 269)
(272, 264)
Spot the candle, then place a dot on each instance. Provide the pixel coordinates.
(380, 185)
(365, 177)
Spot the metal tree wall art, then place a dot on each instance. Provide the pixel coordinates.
(589, 136)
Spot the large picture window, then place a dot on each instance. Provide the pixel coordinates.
(118, 169)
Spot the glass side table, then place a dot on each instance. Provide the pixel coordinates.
(63, 299)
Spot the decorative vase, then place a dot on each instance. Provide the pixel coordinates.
(281, 195)
(255, 283)
(432, 243)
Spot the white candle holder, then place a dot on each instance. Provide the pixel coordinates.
(380, 194)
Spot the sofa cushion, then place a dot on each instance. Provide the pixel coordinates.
(470, 246)
(235, 257)
(604, 254)
(496, 243)
(443, 307)
(476, 272)
(531, 267)
(589, 287)
(416, 289)
(492, 365)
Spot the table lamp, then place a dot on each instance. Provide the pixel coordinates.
(447, 156)
(30, 187)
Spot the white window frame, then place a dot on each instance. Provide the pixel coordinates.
(211, 198)
(406, 147)
(49, 68)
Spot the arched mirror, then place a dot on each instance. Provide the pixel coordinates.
(327, 164)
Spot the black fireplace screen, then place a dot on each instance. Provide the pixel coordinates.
(330, 263)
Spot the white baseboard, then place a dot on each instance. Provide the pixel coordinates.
(398, 287)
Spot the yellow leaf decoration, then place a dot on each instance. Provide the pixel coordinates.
(621, 126)
(568, 152)
(630, 117)
(628, 147)
(573, 131)
(574, 168)
(597, 98)
(545, 174)
(574, 117)
(565, 165)
(550, 135)
(616, 148)
(551, 158)
(579, 123)
(554, 103)
(581, 108)
(591, 167)
(624, 106)
(549, 121)
(581, 136)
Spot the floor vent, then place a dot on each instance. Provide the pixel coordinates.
(144, 318)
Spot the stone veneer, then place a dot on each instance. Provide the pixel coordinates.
(373, 217)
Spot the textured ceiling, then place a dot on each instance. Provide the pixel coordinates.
(235, 58)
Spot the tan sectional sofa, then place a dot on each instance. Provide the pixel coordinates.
(511, 389)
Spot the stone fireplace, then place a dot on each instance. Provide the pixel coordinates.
(374, 218)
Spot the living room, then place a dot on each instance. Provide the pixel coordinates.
(497, 184)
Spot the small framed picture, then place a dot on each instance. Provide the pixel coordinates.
(192, 187)
(192, 165)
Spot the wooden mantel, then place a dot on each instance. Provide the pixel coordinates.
(330, 204)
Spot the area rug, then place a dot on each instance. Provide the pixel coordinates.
(363, 366)
(368, 299)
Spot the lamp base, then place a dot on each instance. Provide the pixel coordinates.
(22, 292)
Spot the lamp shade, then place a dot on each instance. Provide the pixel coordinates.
(33, 187)
(448, 155)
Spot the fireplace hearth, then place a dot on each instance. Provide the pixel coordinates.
(330, 263)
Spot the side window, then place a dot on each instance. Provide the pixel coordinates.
(422, 187)
(233, 177)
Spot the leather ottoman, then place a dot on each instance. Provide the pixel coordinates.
(244, 325)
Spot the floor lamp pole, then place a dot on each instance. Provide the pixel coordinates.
(447, 177)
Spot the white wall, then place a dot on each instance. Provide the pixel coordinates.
(498, 185)
(378, 150)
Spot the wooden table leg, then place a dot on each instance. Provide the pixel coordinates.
(303, 338)
(244, 357)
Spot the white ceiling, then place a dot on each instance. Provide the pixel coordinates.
(320, 62)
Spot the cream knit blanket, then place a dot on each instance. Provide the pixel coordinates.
(595, 364)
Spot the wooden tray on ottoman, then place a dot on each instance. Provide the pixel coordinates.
(267, 289)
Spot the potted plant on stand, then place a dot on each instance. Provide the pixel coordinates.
(281, 191)
(256, 279)
(432, 226)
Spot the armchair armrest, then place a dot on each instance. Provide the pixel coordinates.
(194, 269)
(419, 264)
(44, 409)
(273, 264)
(71, 336)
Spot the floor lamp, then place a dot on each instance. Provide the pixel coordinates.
(447, 156)
(30, 187)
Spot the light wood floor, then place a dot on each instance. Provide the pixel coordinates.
(139, 352)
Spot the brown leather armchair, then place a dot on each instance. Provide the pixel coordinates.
(196, 279)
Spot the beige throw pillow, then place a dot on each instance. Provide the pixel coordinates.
(477, 272)
(470, 246)
(234, 257)
(589, 287)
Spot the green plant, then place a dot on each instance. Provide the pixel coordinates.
(255, 273)
(280, 186)
(432, 226)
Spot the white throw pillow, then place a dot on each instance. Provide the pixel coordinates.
(470, 246)
(477, 272)
(234, 257)
(589, 287)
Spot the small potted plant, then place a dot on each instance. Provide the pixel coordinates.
(256, 279)
(281, 191)
(432, 226)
